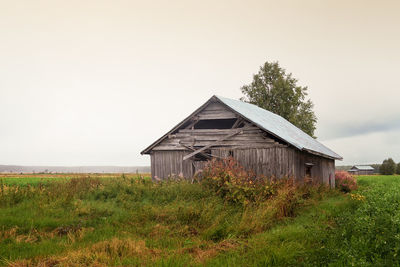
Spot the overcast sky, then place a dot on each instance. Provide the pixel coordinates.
(95, 82)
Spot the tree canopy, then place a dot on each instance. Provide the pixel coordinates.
(275, 90)
(388, 167)
(398, 168)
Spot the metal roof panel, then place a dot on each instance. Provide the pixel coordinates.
(278, 126)
(364, 167)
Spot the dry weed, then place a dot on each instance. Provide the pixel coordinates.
(103, 253)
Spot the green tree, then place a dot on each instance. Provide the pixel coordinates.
(388, 167)
(398, 168)
(275, 90)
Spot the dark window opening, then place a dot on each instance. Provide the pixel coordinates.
(230, 153)
(203, 156)
(308, 169)
(215, 124)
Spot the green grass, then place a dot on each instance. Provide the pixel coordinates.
(131, 221)
(27, 180)
(33, 179)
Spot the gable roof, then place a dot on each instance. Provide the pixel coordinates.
(269, 122)
(363, 168)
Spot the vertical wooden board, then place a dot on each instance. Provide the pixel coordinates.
(269, 161)
(275, 165)
(265, 163)
(278, 163)
(272, 161)
(286, 156)
(215, 152)
(259, 160)
(240, 157)
(300, 165)
(163, 168)
(160, 166)
(292, 163)
(235, 154)
(284, 162)
(156, 164)
(152, 165)
(171, 163)
(333, 174)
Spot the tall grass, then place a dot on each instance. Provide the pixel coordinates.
(46, 222)
(133, 221)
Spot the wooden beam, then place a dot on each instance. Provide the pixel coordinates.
(219, 131)
(204, 154)
(237, 122)
(213, 144)
(191, 125)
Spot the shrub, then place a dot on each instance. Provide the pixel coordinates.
(233, 183)
(345, 181)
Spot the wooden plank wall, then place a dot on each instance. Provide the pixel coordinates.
(282, 162)
(251, 137)
(275, 162)
(215, 111)
(170, 163)
(323, 169)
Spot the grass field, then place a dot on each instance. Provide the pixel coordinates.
(64, 220)
(32, 179)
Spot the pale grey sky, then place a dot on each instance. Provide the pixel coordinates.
(95, 82)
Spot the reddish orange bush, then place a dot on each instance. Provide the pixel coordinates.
(235, 184)
(231, 181)
(345, 181)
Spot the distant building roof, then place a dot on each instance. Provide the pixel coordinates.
(362, 168)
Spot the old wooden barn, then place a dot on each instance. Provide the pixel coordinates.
(258, 139)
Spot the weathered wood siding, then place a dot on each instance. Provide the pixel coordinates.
(170, 163)
(251, 137)
(215, 111)
(278, 161)
(323, 169)
(281, 161)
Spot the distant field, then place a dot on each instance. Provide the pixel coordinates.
(128, 220)
(28, 178)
